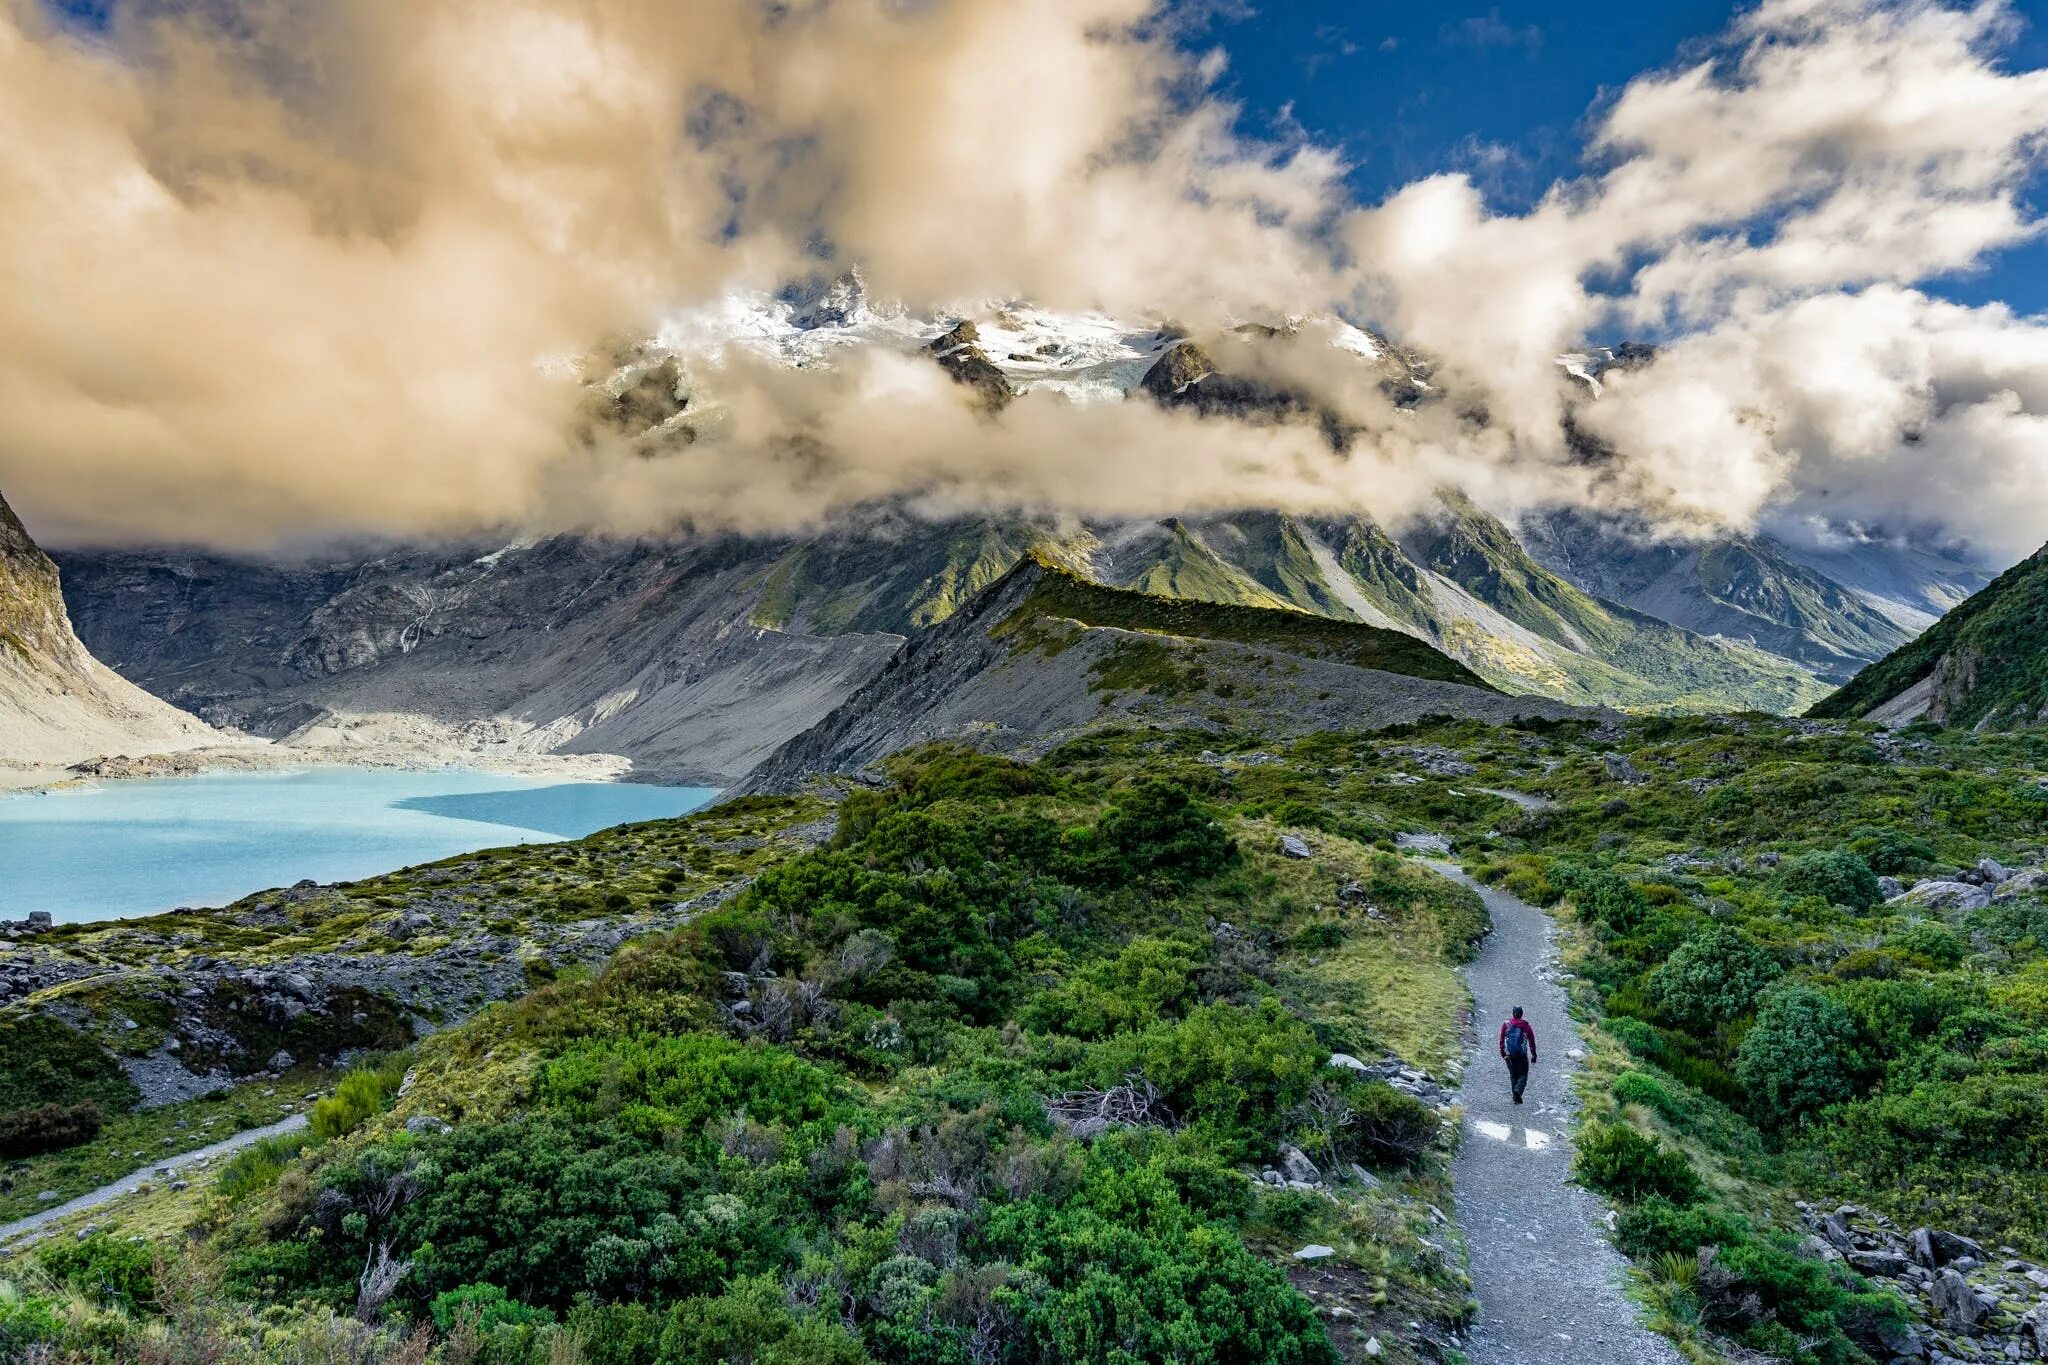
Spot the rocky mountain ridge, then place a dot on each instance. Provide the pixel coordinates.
(697, 655)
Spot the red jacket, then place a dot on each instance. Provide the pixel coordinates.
(1526, 1027)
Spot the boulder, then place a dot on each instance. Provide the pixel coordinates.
(1953, 897)
(1619, 769)
(1959, 1304)
(1887, 1264)
(1891, 888)
(1347, 1061)
(1423, 843)
(426, 1125)
(1294, 846)
(1294, 1163)
(1315, 1251)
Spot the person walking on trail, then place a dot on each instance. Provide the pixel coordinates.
(1518, 1049)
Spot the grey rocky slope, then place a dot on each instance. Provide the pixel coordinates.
(58, 703)
(570, 644)
(1043, 654)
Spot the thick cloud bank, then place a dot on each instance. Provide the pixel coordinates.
(272, 270)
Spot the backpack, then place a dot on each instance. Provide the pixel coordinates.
(1517, 1041)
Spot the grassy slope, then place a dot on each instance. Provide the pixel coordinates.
(1061, 594)
(2003, 628)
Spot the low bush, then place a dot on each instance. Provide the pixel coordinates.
(47, 1128)
(1713, 977)
(362, 1095)
(1394, 1129)
(1835, 875)
(1799, 1057)
(1616, 1160)
(110, 1271)
(1601, 896)
(1638, 1087)
(1658, 1227)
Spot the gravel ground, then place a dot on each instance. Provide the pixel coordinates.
(1547, 1279)
(19, 1234)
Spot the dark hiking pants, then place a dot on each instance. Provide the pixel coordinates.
(1518, 1072)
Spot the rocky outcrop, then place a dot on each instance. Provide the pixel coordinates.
(1968, 1303)
(960, 355)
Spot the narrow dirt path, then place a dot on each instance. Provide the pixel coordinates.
(1549, 1283)
(18, 1234)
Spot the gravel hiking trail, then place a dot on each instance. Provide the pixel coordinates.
(1548, 1281)
(17, 1235)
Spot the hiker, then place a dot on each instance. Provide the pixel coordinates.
(1518, 1047)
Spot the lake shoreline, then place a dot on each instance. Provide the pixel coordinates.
(262, 756)
(157, 841)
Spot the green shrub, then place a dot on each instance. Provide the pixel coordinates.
(47, 1128)
(1238, 1068)
(652, 1086)
(1835, 875)
(1713, 977)
(1616, 1160)
(1320, 937)
(361, 1096)
(1637, 1087)
(257, 1166)
(44, 1061)
(751, 1322)
(1889, 852)
(1601, 896)
(111, 1271)
(484, 1307)
(1658, 1227)
(1799, 1057)
(1394, 1129)
(1937, 943)
(1156, 832)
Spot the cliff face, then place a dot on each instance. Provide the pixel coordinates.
(58, 704)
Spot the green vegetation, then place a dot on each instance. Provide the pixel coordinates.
(990, 1075)
(1985, 657)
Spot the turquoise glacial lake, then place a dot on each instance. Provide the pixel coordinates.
(138, 847)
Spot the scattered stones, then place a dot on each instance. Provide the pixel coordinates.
(1431, 759)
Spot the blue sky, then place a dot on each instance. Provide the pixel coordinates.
(1501, 91)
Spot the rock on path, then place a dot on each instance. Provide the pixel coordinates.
(16, 1235)
(1549, 1283)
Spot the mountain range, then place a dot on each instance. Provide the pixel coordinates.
(698, 655)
